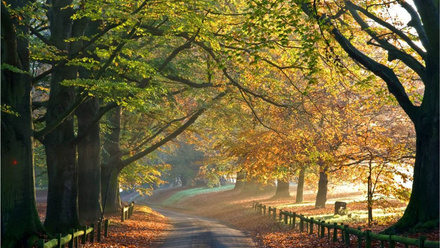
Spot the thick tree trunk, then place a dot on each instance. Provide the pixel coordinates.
(321, 196)
(282, 189)
(110, 190)
(300, 187)
(62, 199)
(423, 208)
(241, 179)
(19, 215)
(89, 167)
(111, 158)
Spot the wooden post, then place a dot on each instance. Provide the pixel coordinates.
(335, 232)
(293, 219)
(72, 232)
(59, 240)
(40, 243)
(99, 231)
(311, 225)
(84, 236)
(359, 239)
(301, 223)
(392, 244)
(92, 234)
(346, 236)
(367, 239)
(106, 224)
(76, 239)
(322, 229)
(274, 214)
(422, 241)
(264, 210)
(122, 214)
(285, 218)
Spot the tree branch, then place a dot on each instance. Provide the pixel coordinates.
(393, 52)
(170, 137)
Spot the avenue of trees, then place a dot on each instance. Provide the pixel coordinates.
(274, 90)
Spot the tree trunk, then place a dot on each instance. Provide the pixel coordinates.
(110, 189)
(282, 189)
(62, 199)
(89, 167)
(111, 158)
(19, 215)
(300, 187)
(241, 178)
(321, 197)
(423, 208)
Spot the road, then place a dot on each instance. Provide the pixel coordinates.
(199, 232)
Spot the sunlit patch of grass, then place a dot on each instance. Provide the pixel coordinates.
(358, 216)
(181, 195)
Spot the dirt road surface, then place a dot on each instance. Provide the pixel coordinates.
(198, 232)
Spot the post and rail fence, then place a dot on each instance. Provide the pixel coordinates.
(75, 237)
(339, 232)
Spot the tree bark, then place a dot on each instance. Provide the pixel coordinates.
(300, 187)
(62, 199)
(19, 215)
(111, 158)
(423, 208)
(89, 167)
(241, 178)
(282, 190)
(321, 196)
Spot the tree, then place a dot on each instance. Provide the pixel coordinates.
(20, 221)
(423, 62)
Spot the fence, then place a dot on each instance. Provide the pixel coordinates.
(127, 212)
(333, 230)
(73, 240)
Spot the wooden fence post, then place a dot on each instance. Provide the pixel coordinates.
(390, 240)
(274, 214)
(346, 236)
(311, 225)
(107, 222)
(359, 238)
(59, 240)
(293, 219)
(99, 231)
(301, 223)
(335, 232)
(72, 232)
(84, 236)
(285, 218)
(322, 229)
(367, 239)
(422, 241)
(92, 233)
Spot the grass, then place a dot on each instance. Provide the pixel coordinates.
(182, 195)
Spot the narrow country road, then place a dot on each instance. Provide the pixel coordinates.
(198, 232)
